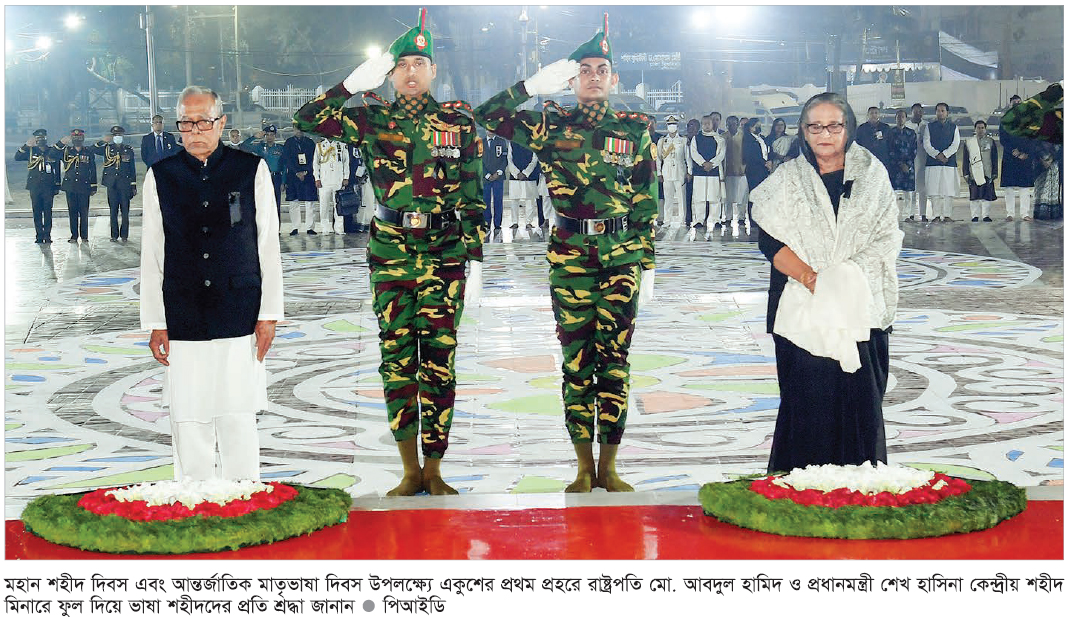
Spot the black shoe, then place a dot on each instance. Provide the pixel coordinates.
(38, 241)
(114, 239)
(698, 225)
(47, 240)
(911, 218)
(124, 240)
(923, 218)
(975, 219)
(987, 219)
(294, 232)
(73, 240)
(311, 232)
(514, 226)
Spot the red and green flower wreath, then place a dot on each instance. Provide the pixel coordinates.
(97, 521)
(955, 506)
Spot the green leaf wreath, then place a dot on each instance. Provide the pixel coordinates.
(59, 519)
(986, 505)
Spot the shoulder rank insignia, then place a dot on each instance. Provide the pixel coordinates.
(458, 105)
(563, 110)
(373, 96)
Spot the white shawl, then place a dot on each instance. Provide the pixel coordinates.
(792, 205)
(975, 160)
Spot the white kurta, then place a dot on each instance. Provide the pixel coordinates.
(206, 379)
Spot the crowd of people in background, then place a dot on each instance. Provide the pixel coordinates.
(705, 173)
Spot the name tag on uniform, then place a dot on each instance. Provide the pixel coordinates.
(127, 157)
(568, 144)
(390, 137)
(301, 159)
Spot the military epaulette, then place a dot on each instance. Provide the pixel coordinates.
(458, 105)
(372, 95)
(633, 115)
(563, 110)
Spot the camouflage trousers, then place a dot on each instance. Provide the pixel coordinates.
(417, 323)
(595, 314)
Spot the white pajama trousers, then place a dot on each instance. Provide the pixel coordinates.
(309, 214)
(327, 214)
(1024, 194)
(674, 201)
(235, 437)
(979, 209)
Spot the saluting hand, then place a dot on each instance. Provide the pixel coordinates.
(31, 142)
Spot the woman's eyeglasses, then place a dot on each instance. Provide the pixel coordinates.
(816, 128)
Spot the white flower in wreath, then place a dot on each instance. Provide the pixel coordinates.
(864, 478)
(190, 493)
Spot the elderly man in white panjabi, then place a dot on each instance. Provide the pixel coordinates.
(211, 291)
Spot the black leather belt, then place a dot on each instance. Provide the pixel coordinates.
(592, 226)
(415, 220)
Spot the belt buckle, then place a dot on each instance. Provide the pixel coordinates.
(416, 220)
(593, 226)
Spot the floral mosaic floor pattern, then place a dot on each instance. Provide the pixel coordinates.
(977, 394)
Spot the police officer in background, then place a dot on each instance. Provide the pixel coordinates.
(297, 155)
(264, 145)
(42, 181)
(120, 177)
(79, 181)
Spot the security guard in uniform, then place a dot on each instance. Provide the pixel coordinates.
(602, 179)
(79, 181)
(119, 175)
(426, 173)
(42, 181)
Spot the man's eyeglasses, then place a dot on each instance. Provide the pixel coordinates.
(187, 125)
(816, 128)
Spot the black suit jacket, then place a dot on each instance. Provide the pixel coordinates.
(148, 148)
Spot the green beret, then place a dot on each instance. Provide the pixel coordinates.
(415, 42)
(597, 47)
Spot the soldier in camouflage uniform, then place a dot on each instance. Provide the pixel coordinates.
(426, 174)
(602, 180)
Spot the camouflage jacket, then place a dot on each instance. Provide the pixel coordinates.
(428, 164)
(595, 169)
(1039, 117)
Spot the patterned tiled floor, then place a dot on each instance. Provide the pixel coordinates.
(976, 367)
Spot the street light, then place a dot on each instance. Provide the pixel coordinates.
(73, 21)
(44, 43)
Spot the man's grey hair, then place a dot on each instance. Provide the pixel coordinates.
(216, 106)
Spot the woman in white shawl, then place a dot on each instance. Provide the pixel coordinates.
(829, 227)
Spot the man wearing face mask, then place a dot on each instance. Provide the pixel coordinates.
(671, 170)
(42, 181)
(707, 151)
(119, 175)
(428, 226)
(602, 179)
(79, 181)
